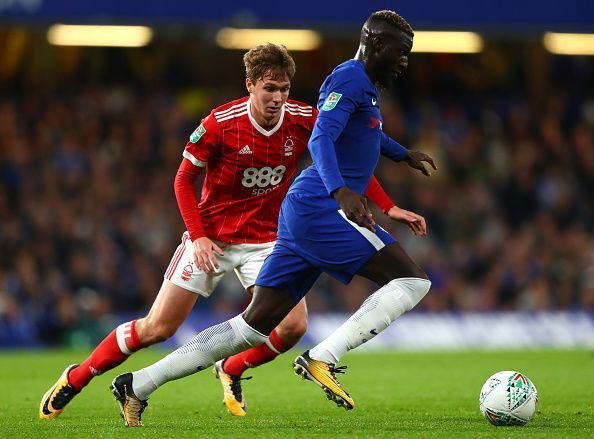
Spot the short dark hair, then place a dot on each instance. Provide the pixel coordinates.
(269, 58)
(391, 18)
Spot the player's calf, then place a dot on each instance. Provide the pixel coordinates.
(375, 314)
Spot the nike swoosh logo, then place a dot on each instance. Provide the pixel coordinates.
(45, 409)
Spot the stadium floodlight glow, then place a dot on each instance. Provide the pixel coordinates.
(108, 36)
(447, 42)
(569, 44)
(293, 39)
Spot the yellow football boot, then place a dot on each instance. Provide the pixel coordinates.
(56, 398)
(232, 394)
(131, 407)
(323, 375)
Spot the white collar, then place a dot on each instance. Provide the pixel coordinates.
(258, 126)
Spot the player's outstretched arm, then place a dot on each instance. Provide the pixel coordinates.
(415, 160)
(416, 223)
(395, 151)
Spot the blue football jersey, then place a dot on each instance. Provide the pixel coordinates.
(314, 234)
(347, 138)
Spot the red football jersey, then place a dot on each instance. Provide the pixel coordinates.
(248, 168)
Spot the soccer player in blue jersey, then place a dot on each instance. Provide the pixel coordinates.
(324, 226)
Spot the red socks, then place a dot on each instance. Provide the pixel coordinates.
(237, 364)
(111, 352)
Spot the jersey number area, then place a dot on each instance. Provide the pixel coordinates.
(262, 178)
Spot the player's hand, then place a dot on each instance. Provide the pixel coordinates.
(415, 160)
(355, 207)
(416, 223)
(204, 254)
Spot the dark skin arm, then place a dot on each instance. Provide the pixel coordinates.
(355, 206)
(415, 160)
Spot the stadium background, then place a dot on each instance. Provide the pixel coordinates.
(90, 139)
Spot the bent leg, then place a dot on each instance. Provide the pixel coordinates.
(389, 263)
(266, 310)
(293, 326)
(268, 307)
(404, 285)
(282, 338)
(170, 309)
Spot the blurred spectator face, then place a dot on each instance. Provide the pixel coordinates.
(267, 96)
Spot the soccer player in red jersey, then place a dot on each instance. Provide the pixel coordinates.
(250, 148)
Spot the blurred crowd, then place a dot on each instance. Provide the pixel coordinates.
(89, 222)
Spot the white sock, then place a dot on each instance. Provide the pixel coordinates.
(375, 314)
(209, 346)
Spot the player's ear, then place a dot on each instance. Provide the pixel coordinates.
(378, 43)
(249, 85)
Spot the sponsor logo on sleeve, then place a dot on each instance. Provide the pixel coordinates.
(331, 101)
(198, 132)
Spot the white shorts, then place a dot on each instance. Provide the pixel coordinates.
(245, 259)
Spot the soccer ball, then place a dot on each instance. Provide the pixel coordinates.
(508, 398)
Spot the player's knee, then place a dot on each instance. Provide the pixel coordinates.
(415, 271)
(294, 329)
(415, 288)
(156, 333)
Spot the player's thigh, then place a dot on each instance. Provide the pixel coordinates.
(268, 307)
(295, 322)
(183, 272)
(182, 284)
(171, 307)
(251, 257)
(282, 283)
(390, 262)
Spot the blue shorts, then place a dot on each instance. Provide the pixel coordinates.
(314, 236)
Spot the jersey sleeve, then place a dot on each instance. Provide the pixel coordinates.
(204, 142)
(312, 120)
(392, 149)
(340, 94)
(185, 194)
(375, 192)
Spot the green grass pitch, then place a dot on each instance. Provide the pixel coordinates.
(408, 395)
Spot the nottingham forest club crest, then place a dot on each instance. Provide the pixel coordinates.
(198, 132)
(288, 146)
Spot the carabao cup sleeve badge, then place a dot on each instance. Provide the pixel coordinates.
(331, 101)
(198, 132)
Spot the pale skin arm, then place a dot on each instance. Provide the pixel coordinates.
(416, 223)
(204, 254)
(185, 193)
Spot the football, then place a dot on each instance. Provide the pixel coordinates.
(508, 398)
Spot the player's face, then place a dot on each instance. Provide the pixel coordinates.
(268, 95)
(392, 57)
